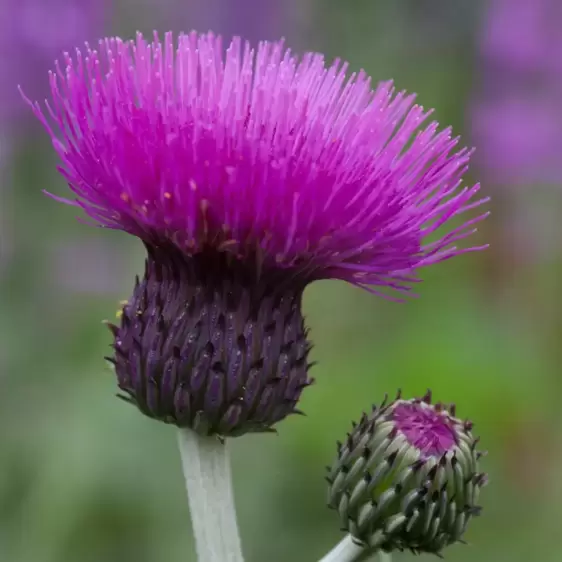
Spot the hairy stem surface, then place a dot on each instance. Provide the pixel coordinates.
(206, 468)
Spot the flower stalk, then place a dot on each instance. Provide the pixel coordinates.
(206, 468)
(347, 550)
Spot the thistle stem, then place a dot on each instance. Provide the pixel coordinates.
(206, 469)
(345, 551)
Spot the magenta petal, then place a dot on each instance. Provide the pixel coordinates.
(257, 153)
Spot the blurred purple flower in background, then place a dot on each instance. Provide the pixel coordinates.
(255, 20)
(87, 265)
(36, 34)
(523, 35)
(517, 117)
(33, 33)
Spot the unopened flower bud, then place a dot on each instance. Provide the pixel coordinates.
(407, 477)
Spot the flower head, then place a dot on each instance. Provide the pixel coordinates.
(257, 153)
(247, 175)
(407, 477)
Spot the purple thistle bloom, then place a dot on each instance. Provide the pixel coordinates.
(407, 477)
(247, 176)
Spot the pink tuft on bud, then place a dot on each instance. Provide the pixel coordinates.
(425, 428)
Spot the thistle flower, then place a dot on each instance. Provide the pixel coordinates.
(247, 175)
(407, 477)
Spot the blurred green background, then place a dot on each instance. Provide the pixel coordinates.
(85, 478)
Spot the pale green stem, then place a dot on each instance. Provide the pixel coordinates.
(349, 551)
(384, 556)
(208, 481)
(345, 551)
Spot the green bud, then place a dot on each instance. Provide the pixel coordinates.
(407, 477)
